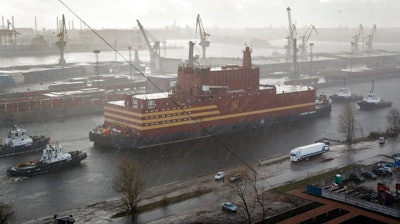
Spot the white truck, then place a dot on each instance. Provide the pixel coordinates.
(305, 151)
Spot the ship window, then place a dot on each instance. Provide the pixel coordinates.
(135, 104)
(163, 115)
(151, 104)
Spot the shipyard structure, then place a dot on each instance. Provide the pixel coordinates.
(206, 101)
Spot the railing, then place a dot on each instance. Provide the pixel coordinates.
(345, 198)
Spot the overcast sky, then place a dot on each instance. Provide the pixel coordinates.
(214, 13)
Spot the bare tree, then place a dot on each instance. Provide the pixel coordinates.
(129, 184)
(244, 186)
(259, 195)
(393, 118)
(6, 213)
(241, 188)
(348, 123)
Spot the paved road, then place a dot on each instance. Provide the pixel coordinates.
(274, 175)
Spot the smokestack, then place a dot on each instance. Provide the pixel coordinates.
(2, 20)
(190, 62)
(247, 58)
(35, 25)
(57, 22)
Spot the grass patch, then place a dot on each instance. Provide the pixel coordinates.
(303, 183)
(166, 201)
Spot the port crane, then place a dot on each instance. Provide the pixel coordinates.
(204, 43)
(306, 37)
(153, 50)
(356, 37)
(10, 32)
(370, 38)
(61, 41)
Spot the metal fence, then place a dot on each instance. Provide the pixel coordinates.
(345, 198)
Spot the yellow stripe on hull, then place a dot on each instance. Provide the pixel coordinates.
(243, 114)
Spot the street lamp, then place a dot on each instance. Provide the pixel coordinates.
(311, 56)
(130, 66)
(96, 52)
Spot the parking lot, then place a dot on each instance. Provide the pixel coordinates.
(377, 183)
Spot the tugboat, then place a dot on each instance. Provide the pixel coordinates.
(52, 160)
(17, 142)
(372, 101)
(344, 95)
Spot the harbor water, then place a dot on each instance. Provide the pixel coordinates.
(92, 181)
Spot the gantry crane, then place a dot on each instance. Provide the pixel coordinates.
(356, 37)
(61, 41)
(204, 43)
(153, 50)
(370, 38)
(10, 32)
(306, 37)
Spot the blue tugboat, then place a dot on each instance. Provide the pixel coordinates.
(17, 142)
(52, 160)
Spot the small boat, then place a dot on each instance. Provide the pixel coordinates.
(344, 95)
(372, 101)
(17, 142)
(52, 160)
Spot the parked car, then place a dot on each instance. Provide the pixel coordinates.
(388, 170)
(229, 206)
(381, 140)
(219, 176)
(64, 220)
(235, 177)
(368, 174)
(380, 171)
(356, 178)
(397, 154)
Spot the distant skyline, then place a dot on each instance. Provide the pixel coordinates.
(122, 14)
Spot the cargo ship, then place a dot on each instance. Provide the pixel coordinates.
(53, 159)
(17, 142)
(205, 101)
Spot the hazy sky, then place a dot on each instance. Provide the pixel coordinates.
(214, 13)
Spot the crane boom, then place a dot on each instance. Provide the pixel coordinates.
(204, 43)
(306, 37)
(290, 36)
(356, 37)
(370, 37)
(154, 53)
(61, 41)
